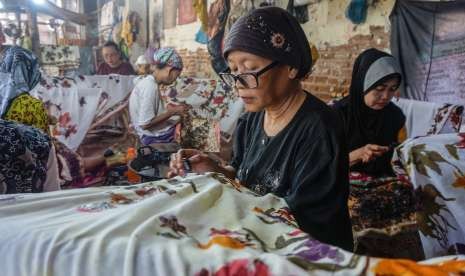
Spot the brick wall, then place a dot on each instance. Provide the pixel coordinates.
(197, 63)
(331, 74)
(333, 71)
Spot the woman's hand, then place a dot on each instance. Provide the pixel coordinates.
(198, 162)
(367, 153)
(179, 109)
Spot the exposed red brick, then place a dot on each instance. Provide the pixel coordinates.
(333, 71)
(319, 79)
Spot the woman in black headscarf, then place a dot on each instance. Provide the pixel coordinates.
(289, 143)
(371, 122)
(381, 205)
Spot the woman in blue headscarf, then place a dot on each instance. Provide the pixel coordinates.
(20, 74)
(153, 123)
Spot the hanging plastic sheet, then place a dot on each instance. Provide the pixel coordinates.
(428, 40)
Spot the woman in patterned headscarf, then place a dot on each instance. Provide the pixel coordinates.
(20, 73)
(289, 143)
(151, 121)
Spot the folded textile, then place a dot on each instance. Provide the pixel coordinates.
(198, 225)
(426, 118)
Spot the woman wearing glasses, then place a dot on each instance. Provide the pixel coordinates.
(289, 142)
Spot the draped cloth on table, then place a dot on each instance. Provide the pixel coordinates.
(436, 168)
(77, 102)
(199, 225)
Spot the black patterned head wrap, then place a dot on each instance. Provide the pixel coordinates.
(272, 33)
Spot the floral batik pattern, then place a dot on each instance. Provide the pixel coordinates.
(382, 212)
(85, 105)
(214, 113)
(436, 168)
(197, 225)
(24, 153)
(59, 58)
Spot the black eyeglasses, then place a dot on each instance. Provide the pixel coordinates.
(246, 80)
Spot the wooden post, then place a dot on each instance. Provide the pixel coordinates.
(33, 29)
(18, 22)
(147, 23)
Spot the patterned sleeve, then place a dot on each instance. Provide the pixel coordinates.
(41, 118)
(28, 110)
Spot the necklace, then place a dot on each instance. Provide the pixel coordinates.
(274, 124)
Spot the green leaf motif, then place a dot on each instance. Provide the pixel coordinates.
(434, 156)
(452, 149)
(432, 164)
(281, 242)
(423, 159)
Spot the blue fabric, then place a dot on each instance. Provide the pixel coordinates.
(165, 137)
(22, 69)
(201, 37)
(357, 11)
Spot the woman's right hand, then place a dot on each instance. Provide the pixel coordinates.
(367, 153)
(198, 161)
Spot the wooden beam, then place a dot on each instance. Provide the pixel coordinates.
(57, 12)
(47, 8)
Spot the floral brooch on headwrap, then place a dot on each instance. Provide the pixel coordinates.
(275, 39)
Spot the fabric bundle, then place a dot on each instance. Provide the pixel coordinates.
(356, 11)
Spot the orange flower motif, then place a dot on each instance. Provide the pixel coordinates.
(407, 267)
(459, 181)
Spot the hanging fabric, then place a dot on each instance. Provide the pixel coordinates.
(238, 9)
(356, 12)
(200, 7)
(299, 12)
(130, 28)
(186, 12)
(217, 15)
(201, 37)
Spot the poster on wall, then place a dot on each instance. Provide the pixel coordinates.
(428, 39)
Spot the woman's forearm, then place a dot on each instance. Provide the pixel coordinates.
(157, 120)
